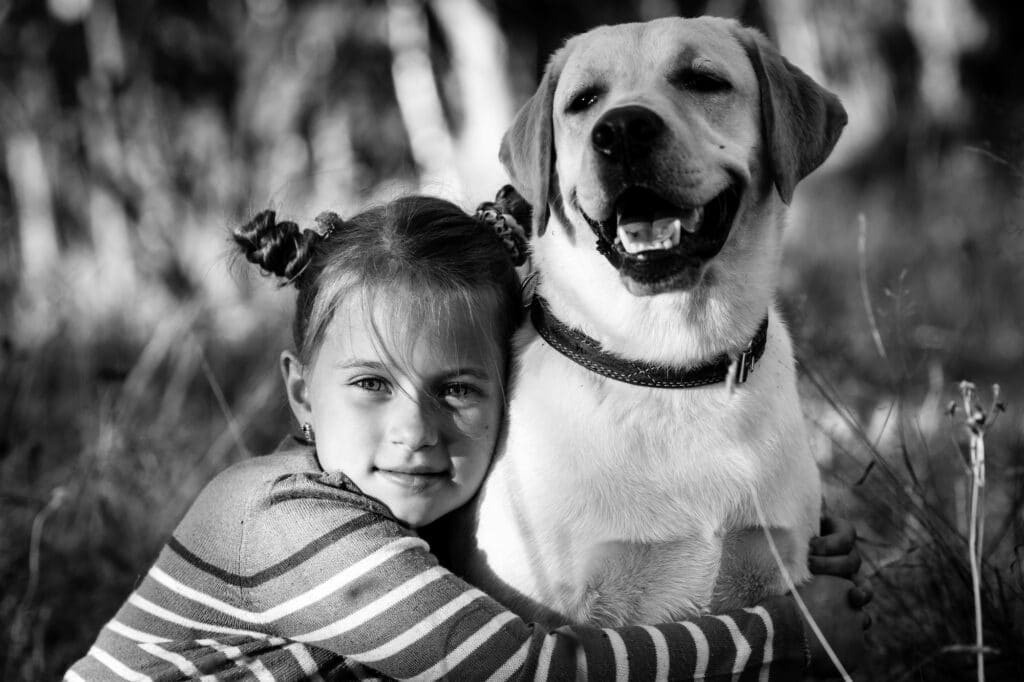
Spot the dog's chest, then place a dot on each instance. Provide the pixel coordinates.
(618, 460)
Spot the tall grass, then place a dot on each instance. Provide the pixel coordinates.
(946, 603)
(103, 446)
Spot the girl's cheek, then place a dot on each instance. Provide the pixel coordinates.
(473, 422)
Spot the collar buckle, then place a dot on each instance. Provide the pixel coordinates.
(744, 365)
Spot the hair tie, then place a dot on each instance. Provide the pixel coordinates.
(497, 216)
(326, 223)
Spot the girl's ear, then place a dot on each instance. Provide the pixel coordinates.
(296, 387)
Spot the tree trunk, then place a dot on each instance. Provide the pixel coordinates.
(33, 202)
(480, 65)
(419, 101)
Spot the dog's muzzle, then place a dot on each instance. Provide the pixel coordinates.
(656, 243)
(660, 246)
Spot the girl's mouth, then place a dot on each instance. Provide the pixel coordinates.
(415, 479)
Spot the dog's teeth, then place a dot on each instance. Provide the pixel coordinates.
(638, 235)
(692, 219)
(635, 235)
(666, 230)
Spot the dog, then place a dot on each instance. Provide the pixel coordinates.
(625, 490)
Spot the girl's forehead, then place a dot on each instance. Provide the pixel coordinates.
(400, 327)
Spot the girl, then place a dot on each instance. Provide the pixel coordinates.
(305, 564)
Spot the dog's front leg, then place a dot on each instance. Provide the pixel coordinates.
(749, 572)
(633, 582)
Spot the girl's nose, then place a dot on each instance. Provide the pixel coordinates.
(414, 423)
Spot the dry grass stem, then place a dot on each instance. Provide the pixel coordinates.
(862, 269)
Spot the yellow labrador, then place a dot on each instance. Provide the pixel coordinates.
(657, 408)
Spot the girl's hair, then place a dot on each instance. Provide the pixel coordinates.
(424, 257)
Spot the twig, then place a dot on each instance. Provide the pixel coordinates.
(222, 401)
(998, 159)
(862, 240)
(57, 497)
(864, 476)
(950, 649)
(20, 628)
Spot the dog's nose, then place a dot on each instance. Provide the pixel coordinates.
(624, 132)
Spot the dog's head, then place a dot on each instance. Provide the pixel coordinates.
(665, 139)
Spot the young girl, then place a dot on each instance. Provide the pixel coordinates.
(305, 564)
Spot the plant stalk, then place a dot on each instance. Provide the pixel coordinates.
(975, 543)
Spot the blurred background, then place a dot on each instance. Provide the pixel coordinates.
(136, 361)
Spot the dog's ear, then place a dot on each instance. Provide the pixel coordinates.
(528, 147)
(800, 120)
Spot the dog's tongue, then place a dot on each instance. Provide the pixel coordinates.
(641, 229)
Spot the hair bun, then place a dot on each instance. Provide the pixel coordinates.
(505, 216)
(509, 201)
(280, 249)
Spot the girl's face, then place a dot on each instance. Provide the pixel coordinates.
(415, 426)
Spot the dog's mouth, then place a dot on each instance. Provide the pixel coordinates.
(661, 245)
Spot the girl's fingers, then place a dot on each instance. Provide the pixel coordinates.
(860, 595)
(838, 536)
(843, 566)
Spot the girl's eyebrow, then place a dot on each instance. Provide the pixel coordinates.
(378, 366)
(475, 372)
(358, 363)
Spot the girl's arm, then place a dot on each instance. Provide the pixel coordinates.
(309, 579)
(362, 586)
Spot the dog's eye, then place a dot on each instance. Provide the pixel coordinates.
(702, 81)
(582, 101)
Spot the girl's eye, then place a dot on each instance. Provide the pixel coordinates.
(459, 390)
(372, 384)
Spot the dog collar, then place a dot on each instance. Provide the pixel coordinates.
(588, 353)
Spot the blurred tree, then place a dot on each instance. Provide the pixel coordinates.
(479, 74)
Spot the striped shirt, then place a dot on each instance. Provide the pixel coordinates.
(281, 571)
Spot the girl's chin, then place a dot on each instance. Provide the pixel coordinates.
(413, 511)
(416, 499)
(415, 517)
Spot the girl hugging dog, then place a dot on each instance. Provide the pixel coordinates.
(306, 563)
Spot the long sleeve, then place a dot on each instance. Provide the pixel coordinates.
(314, 578)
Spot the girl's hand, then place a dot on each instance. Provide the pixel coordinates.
(834, 552)
(841, 622)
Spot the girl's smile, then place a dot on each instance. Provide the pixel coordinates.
(415, 479)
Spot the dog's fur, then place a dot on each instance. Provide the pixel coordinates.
(613, 503)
